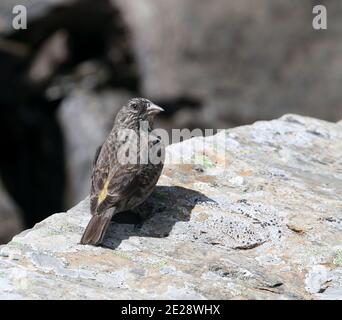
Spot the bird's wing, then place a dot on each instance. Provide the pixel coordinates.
(118, 186)
(112, 181)
(98, 175)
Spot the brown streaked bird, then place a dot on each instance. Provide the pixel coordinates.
(118, 185)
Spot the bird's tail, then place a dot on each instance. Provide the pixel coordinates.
(96, 229)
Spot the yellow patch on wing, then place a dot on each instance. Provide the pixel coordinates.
(104, 192)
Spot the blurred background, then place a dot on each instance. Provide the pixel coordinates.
(210, 64)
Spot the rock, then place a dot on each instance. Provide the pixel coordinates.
(11, 222)
(317, 279)
(207, 233)
(210, 64)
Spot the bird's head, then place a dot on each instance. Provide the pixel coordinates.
(137, 109)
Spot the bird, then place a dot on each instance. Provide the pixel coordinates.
(119, 184)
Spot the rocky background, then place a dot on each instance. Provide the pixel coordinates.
(257, 218)
(210, 64)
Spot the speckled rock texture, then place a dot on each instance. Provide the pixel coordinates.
(262, 222)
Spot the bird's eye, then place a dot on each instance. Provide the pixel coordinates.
(135, 106)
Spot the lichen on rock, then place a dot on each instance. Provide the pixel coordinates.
(263, 224)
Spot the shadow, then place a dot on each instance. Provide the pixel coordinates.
(155, 217)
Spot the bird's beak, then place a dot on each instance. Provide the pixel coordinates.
(154, 109)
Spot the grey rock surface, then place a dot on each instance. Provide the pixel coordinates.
(10, 216)
(259, 218)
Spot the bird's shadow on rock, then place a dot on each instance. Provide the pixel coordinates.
(156, 216)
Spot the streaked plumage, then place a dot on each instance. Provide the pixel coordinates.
(118, 187)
